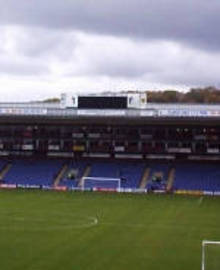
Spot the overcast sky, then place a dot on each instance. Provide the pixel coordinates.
(49, 47)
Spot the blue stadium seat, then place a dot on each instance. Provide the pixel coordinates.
(80, 167)
(33, 172)
(158, 167)
(129, 173)
(190, 176)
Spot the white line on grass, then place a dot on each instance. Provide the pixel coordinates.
(200, 200)
(19, 222)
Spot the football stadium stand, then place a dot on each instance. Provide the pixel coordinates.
(89, 142)
(194, 176)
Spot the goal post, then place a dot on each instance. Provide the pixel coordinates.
(101, 182)
(214, 261)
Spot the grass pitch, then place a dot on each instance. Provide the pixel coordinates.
(90, 231)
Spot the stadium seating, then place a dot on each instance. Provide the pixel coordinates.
(163, 169)
(191, 176)
(2, 164)
(129, 173)
(132, 174)
(33, 172)
(103, 170)
(77, 166)
(188, 175)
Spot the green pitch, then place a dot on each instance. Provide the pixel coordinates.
(89, 231)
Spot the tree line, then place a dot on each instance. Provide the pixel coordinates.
(207, 95)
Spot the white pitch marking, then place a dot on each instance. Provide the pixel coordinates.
(200, 200)
(124, 225)
(92, 221)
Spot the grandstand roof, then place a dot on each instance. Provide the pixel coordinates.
(153, 112)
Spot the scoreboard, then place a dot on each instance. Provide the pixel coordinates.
(101, 102)
(105, 102)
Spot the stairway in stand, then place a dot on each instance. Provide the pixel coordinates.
(170, 179)
(5, 170)
(60, 175)
(145, 178)
(85, 174)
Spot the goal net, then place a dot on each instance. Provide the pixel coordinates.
(210, 255)
(101, 183)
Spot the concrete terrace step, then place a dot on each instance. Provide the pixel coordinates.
(60, 175)
(5, 170)
(170, 179)
(145, 178)
(85, 174)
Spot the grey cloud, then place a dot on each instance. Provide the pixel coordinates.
(194, 22)
(68, 54)
(155, 61)
(24, 68)
(44, 43)
(30, 51)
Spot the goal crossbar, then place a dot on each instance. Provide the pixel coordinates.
(102, 179)
(207, 242)
(204, 244)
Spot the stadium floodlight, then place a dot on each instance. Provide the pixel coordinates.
(101, 182)
(210, 255)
